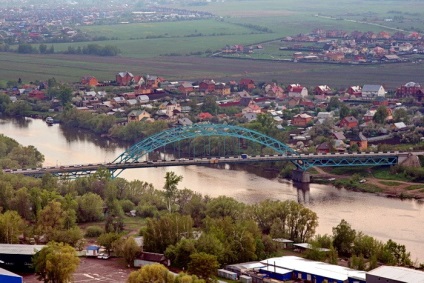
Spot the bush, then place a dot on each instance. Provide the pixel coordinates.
(93, 231)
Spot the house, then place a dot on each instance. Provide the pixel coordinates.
(222, 89)
(246, 84)
(369, 116)
(89, 81)
(348, 122)
(301, 120)
(394, 274)
(37, 94)
(9, 277)
(252, 107)
(124, 78)
(143, 90)
(207, 86)
(92, 250)
(172, 108)
(250, 116)
(137, 115)
(322, 90)
(186, 87)
(146, 258)
(184, 122)
(410, 89)
(297, 91)
(119, 101)
(204, 116)
(323, 148)
(373, 91)
(275, 91)
(355, 91)
(339, 136)
(143, 99)
(153, 81)
(359, 139)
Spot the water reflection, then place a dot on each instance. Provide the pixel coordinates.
(78, 135)
(20, 122)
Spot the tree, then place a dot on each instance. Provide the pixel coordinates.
(11, 226)
(180, 253)
(203, 265)
(90, 207)
(56, 263)
(51, 218)
(224, 206)
(170, 187)
(165, 231)
(344, 111)
(343, 238)
(185, 278)
(153, 273)
(128, 249)
(380, 115)
(107, 240)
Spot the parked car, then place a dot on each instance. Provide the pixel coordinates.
(103, 256)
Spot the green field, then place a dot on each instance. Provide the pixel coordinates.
(146, 46)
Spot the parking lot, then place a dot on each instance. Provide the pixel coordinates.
(111, 270)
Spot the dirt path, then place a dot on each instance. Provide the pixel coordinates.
(399, 189)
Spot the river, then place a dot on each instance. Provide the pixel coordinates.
(380, 217)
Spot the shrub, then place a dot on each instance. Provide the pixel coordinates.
(93, 231)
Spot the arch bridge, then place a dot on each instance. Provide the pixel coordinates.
(135, 156)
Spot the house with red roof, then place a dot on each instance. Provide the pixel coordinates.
(322, 90)
(348, 122)
(410, 89)
(207, 86)
(298, 91)
(252, 107)
(37, 94)
(204, 116)
(124, 78)
(89, 81)
(301, 120)
(355, 90)
(246, 84)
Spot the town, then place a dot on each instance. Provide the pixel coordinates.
(337, 47)
(316, 118)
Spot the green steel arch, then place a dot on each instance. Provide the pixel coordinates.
(151, 143)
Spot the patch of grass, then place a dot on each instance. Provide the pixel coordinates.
(390, 183)
(350, 170)
(385, 174)
(415, 187)
(133, 223)
(313, 171)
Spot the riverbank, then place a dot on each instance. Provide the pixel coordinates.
(369, 184)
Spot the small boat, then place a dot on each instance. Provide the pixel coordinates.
(49, 120)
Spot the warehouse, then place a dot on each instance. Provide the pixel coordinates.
(395, 274)
(9, 277)
(314, 271)
(18, 258)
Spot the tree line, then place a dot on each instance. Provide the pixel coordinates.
(89, 49)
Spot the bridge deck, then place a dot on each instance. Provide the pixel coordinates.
(302, 161)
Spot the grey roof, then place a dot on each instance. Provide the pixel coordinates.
(8, 273)
(314, 267)
(400, 274)
(18, 249)
(371, 88)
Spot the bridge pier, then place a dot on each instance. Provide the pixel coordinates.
(301, 176)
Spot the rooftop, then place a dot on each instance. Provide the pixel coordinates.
(400, 274)
(18, 249)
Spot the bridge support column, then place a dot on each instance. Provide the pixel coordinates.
(301, 176)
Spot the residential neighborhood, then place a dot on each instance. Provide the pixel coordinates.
(339, 47)
(314, 118)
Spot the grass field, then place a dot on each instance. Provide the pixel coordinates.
(71, 68)
(145, 46)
